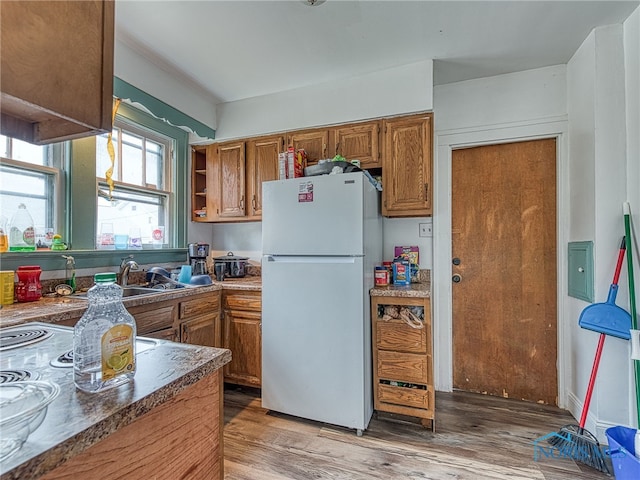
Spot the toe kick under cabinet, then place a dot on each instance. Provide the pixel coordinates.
(403, 357)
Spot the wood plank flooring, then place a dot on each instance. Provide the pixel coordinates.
(477, 437)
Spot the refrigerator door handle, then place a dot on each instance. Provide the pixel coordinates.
(309, 259)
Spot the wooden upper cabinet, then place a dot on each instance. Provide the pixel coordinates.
(407, 166)
(358, 142)
(199, 210)
(314, 142)
(228, 175)
(56, 69)
(262, 166)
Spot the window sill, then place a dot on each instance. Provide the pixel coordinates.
(52, 259)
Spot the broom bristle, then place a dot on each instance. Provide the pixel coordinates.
(580, 445)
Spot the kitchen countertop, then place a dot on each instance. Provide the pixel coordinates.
(76, 420)
(413, 290)
(59, 309)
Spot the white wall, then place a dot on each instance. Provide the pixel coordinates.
(599, 165)
(388, 92)
(134, 68)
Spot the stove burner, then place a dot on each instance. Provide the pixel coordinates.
(18, 337)
(16, 375)
(64, 360)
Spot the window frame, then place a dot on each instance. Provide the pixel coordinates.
(167, 190)
(76, 211)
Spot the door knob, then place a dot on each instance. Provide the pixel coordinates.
(455, 261)
(456, 278)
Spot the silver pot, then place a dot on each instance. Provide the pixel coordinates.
(234, 267)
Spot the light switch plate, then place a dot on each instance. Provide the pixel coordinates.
(581, 270)
(425, 229)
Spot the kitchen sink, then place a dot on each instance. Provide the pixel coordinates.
(128, 291)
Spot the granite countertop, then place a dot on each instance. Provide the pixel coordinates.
(58, 309)
(413, 290)
(77, 420)
(249, 282)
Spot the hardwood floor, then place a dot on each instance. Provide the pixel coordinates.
(477, 437)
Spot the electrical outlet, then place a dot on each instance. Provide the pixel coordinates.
(425, 229)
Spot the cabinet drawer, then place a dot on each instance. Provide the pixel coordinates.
(404, 367)
(251, 301)
(153, 320)
(201, 305)
(397, 335)
(411, 397)
(166, 334)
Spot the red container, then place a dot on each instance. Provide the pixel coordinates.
(28, 288)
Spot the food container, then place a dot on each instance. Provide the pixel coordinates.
(234, 266)
(401, 272)
(28, 288)
(6, 287)
(23, 406)
(381, 276)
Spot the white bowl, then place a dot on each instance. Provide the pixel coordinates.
(23, 406)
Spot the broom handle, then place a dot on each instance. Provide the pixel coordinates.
(626, 210)
(592, 380)
(623, 247)
(596, 360)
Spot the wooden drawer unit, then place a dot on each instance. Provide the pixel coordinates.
(154, 317)
(403, 359)
(202, 304)
(397, 335)
(405, 367)
(403, 396)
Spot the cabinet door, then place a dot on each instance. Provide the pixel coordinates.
(202, 330)
(56, 69)
(242, 335)
(314, 142)
(262, 166)
(358, 142)
(407, 166)
(228, 181)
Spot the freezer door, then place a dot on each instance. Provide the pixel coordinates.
(316, 340)
(320, 215)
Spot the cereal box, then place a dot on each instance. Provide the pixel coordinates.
(410, 253)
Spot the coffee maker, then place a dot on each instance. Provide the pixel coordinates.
(198, 253)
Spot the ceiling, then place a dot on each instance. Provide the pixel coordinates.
(241, 49)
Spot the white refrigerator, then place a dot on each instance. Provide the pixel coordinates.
(321, 239)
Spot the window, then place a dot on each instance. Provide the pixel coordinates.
(30, 174)
(137, 212)
(64, 187)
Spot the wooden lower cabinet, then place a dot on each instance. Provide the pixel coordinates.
(182, 438)
(195, 320)
(242, 325)
(403, 359)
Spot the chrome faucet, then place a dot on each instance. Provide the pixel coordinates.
(127, 264)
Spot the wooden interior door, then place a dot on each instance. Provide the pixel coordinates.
(504, 270)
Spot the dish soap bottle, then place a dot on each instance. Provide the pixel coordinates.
(70, 272)
(104, 344)
(22, 236)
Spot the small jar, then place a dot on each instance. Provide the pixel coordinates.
(381, 276)
(28, 288)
